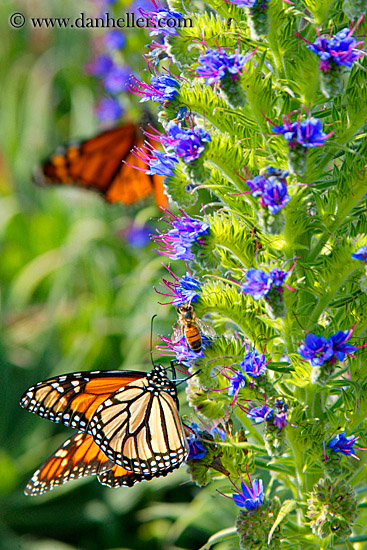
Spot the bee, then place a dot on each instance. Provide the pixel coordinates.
(190, 326)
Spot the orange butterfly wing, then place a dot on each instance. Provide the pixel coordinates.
(78, 457)
(73, 398)
(97, 164)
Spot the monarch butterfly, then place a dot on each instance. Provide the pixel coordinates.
(77, 457)
(97, 164)
(131, 416)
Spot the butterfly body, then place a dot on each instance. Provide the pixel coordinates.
(128, 422)
(104, 163)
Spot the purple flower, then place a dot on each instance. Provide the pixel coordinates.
(185, 142)
(237, 382)
(116, 80)
(310, 134)
(181, 351)
(361, 254)
(162, 88)
(100, 66)
(288, 129)
(114, 40)
(338, 343)
(278, 276)
(218, 64)
(109, 109)
(164, 21)
(275, 195)
(280, 414)
(183, 291)
(257, 185)
(138, 235)
(250, 497)
(258, 283)
(316, 349)
(161, 164)
(339, 49)
(197, 449)
(253, 364)
(260, 414)
(342, 444)
(179, 241)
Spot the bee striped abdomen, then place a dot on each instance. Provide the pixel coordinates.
(193, 338)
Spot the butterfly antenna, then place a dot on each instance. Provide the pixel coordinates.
(187, 378)
(151, 339)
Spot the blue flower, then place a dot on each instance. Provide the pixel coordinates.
(161, 164)
(197, 448)
(100, 66)
(159, 20)
(162, 88)
(218, 64)
(237, 382)
(257, 185)
(338, 343)
(138, 235)
(253, 364)
(178, 242)
(316, 349)
(182, 352)
(288, 129)
(275, 195)
(342, 444)
(361, 254)
(339, 49)
(310, 134)
(109, 109)
(278, 276)
(116, 80)
(280, 414)
(250, 497)
(260, 414)
(245, 3)
(307, 133)
(114, 40)
(258, 283)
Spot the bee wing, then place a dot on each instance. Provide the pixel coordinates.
(178, 333)
(205, 328)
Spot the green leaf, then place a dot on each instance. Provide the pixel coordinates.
(286, 509)
(220, 536)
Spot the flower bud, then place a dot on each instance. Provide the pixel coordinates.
(258, 19)
(332, 509)
(253, 527)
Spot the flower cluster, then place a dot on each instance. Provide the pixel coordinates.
(317, 350)
(336, 50)
(181, 351)
(180, 242)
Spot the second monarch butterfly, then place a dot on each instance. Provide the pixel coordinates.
(131, 416)
(102, 163)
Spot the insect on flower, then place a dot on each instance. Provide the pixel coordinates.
(190, 326)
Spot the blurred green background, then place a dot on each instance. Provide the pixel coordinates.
(74, 296)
